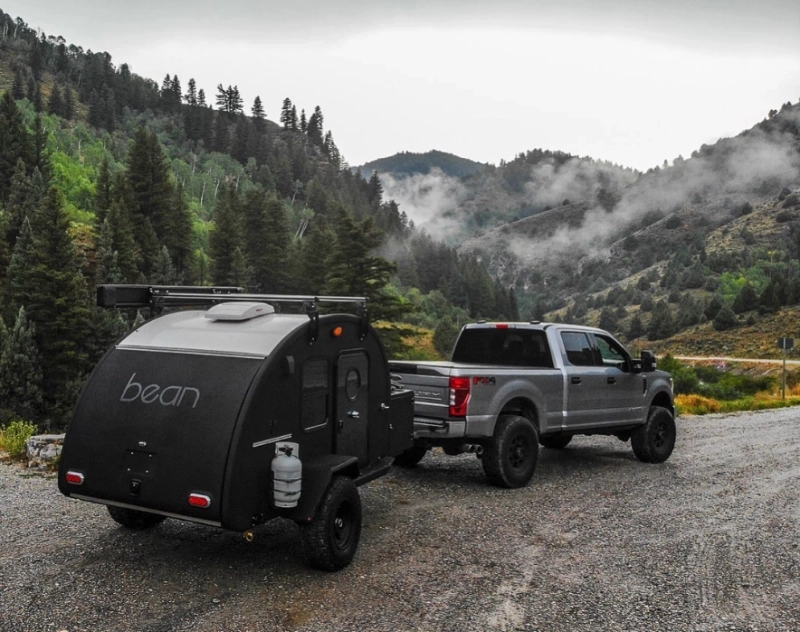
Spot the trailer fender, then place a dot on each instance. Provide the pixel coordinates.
(318, 472)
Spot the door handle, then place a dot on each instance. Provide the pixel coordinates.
(576, 380)
(354, 414)
(612, 380)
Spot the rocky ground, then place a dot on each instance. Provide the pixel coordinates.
(708, 541)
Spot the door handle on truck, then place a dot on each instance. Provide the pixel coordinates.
(612, 380)
(354, 414)
(576, 380)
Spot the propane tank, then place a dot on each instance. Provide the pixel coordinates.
(287, 474)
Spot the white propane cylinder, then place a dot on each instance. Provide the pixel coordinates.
(287, 474)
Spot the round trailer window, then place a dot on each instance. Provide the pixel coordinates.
(352, 383)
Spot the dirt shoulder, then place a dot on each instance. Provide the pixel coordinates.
(708, 541)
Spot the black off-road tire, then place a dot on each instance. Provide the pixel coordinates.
(133, 519)
(555, 443)
(654, 441)
(330, 541)
(510, 458)
(412, 456)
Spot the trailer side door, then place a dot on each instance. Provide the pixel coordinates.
(352, 405)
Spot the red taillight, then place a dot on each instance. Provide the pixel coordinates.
(459, 396)
(75, 478)
(501, 326)
(199, 500)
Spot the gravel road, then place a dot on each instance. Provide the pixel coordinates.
(708, 541)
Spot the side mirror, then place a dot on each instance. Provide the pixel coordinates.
(648, 361)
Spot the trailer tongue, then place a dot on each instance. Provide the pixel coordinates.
(236, 414)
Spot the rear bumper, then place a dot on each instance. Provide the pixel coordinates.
(471, 427)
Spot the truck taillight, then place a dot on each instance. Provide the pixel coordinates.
(459, 396)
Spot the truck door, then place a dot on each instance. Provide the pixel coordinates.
(352, 405)
(585, 388)
(625, 389)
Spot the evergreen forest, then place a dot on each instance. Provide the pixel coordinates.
(109, 177)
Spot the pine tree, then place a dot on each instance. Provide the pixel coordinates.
(123, 242)
(22, 201)
(40, 157)
(314, 132)
(47, 280)
(318, 244)
(103, 192)
(226, 237)
(38, 101)
(164, 272)
(15, 143)
(725, 319)
(354, 271)
(259, 115)
(152, 193)
(69, 105)
(746, 300)
(56, 103)
(18, 85)
(286, 114)
(266, 241)
(178, 237)
(21, 369)
(191, 93)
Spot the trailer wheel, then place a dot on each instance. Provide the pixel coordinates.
(330, 540)
(555, 443)
(133, 519)
(412, 456)
(510, 458)
(654, 441)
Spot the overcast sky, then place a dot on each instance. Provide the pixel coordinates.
(631, 81)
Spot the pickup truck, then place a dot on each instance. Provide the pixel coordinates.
(513, 386)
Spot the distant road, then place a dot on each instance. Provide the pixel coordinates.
(723, 359)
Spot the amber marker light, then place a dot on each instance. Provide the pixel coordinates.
(337, 331)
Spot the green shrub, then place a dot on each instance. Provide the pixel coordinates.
(14, 437)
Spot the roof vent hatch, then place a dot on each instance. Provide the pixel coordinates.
(239, 311)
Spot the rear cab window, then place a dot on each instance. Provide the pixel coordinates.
(504, 347)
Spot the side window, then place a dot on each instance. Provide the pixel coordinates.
(315, 395)
(612, 353)
(578, 348)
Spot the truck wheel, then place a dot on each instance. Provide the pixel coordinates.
(330, 540)
(133, 519)
(555, 443)
(412, 456)
(510, 457)
(653, 442)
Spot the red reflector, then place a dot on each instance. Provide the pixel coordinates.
(501, 325)
(459, 396)
(75, 478)
(199, 500)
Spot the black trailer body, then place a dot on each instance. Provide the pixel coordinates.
(188, 415)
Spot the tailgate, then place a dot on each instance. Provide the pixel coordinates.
(153, 427)
(431, 385)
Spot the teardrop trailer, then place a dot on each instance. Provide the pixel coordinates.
(237, 413)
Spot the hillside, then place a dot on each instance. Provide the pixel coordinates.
(719, 229)
(407, 164)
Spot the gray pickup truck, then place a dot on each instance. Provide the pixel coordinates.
(513, 386)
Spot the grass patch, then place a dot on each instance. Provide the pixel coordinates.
(693, 404)
(14, 438)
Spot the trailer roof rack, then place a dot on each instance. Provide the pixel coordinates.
(158, 297)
